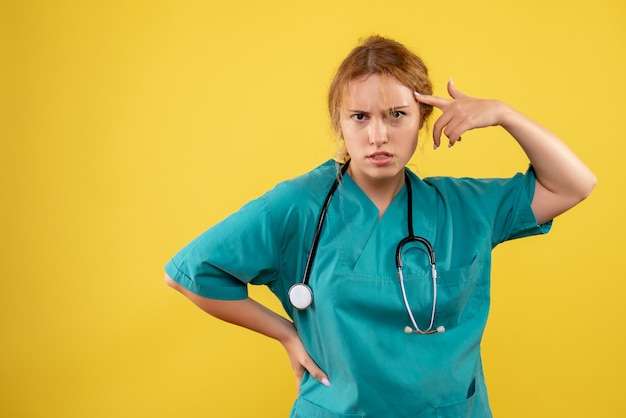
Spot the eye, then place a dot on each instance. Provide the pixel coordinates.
(358, 116)
(397, 114)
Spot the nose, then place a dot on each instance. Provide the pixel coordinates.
(378, 132)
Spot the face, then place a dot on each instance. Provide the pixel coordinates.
(379, 123)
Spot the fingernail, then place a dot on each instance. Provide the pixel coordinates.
(325, 382)
(416, 93)
(434, 146)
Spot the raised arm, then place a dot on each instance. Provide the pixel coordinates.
(256, 317)
(563, 180)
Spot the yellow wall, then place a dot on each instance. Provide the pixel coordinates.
(127, 127)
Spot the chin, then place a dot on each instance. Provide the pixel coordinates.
(386, 173)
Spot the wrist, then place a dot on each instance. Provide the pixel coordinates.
(286, 332)
(509, 118)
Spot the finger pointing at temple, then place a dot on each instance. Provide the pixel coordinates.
(440, 103)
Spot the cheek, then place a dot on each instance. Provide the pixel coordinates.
(407, 131)
(348, 131)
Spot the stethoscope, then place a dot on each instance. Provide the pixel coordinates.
(301, 295)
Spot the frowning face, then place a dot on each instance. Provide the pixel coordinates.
(379, 124)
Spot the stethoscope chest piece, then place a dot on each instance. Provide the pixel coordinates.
(300, 296)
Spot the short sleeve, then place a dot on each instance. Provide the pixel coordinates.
(522, 219)
(506, 204)
(239, 250)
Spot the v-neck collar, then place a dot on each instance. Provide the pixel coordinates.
(370, 206)
(353, 209)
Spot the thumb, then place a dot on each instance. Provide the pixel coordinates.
(316, 372)
(301, 361)
(454, 92)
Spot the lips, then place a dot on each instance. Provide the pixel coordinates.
(380, 158)
(380, 155)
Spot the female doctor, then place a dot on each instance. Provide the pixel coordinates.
(384, 275)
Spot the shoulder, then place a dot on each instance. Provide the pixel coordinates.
(480, 188)
(288, 203)
(316, 178)
(306, 189)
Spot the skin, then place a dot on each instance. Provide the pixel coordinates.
(387, 121)
(379, 126)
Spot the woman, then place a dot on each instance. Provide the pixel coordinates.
(391, 348)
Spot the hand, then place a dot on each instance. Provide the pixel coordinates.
(462, 113)
(252, 315)
(301, 361)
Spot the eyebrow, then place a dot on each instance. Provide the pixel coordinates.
(388, 110)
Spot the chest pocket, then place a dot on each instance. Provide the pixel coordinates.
(460, 293)
(459, 410)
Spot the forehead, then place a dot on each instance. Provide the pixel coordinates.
(378, 89)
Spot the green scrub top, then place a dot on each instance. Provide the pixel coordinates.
(354, 329)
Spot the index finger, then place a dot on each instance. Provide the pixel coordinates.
(438, 102)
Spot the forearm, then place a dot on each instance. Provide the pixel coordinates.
(256, 317)
(246, 313)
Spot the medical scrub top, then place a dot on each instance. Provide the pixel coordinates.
(354, 330)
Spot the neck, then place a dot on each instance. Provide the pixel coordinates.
(381, 191)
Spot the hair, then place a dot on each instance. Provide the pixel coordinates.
(381, 56)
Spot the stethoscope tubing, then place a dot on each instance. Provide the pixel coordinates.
(431, 259)
(320, 224)
(300, 294)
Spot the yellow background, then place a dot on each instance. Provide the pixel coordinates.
(128, 127)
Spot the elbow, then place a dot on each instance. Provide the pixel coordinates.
(171, 283)
(581, 193)
(580, 187)
(594, 182)
(547, 203)
(590, 183)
